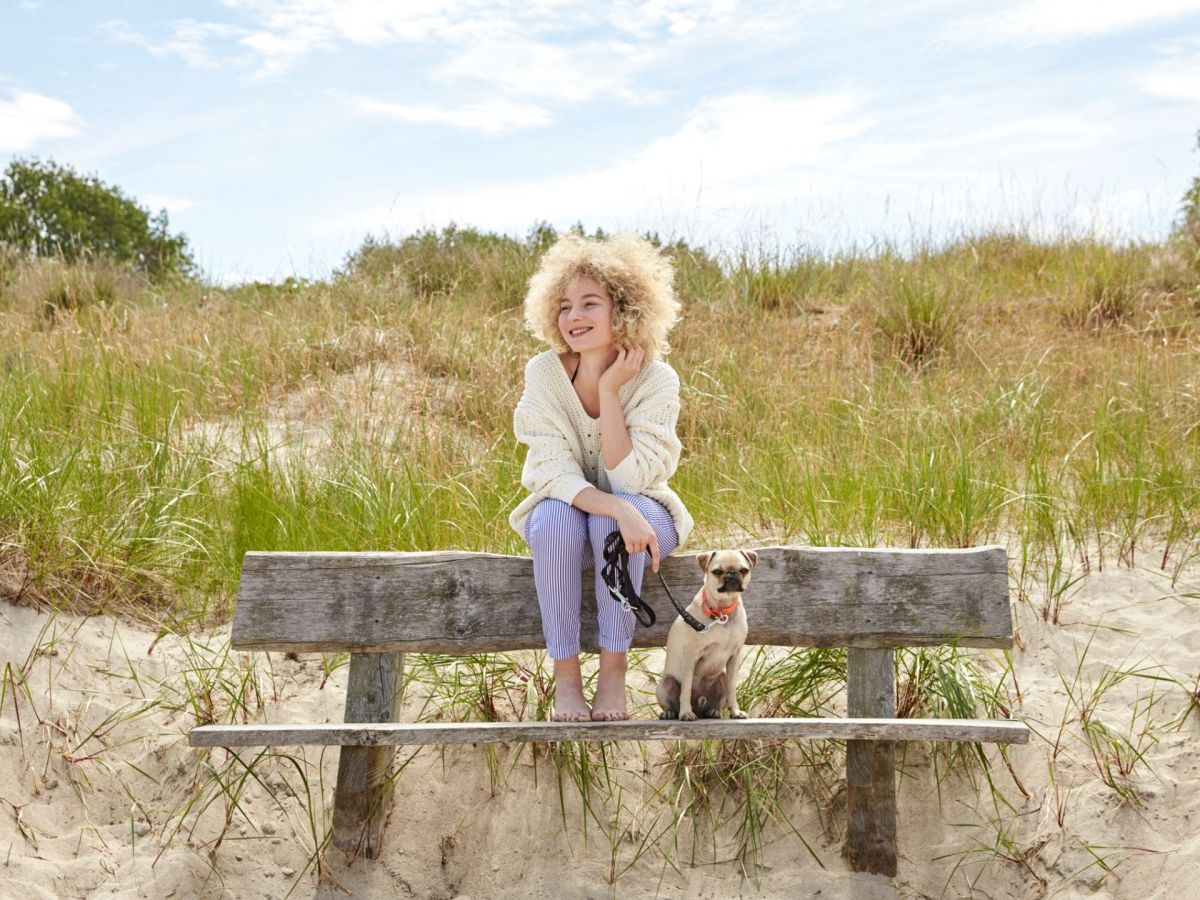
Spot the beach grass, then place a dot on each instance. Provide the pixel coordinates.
(1044, 395)
(993, 387)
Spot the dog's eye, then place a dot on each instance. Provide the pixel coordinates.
(717, 572)
(743, 571)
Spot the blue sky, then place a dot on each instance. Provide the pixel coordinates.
(279, 133)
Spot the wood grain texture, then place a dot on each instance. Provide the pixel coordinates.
(363, 797)
(455, 602)
(364, 735)
(871, 766)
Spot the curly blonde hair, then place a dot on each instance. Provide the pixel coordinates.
(636, 275)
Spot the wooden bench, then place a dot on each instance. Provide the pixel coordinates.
(380, 605)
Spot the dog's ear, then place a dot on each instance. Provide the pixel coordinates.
(703, 559)
(751, 557)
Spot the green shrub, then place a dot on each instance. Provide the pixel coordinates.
(917, 318)
(775, 279)
(83, 285)
(453, 262)
(1110, 283)
(48, 211)
(1189, 220)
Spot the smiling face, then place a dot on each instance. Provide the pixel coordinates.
(585, 315)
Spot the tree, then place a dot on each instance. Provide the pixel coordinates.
(48, 210)
(1189, 224)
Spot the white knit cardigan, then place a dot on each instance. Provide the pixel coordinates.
(564, 454)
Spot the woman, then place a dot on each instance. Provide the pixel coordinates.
(598, 416)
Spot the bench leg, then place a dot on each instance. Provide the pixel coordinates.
(363, 797)
(871, 765)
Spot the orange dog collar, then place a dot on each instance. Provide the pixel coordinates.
(717, 612)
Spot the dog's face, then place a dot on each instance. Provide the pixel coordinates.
(727, 571)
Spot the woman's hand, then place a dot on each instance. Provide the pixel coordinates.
(624, 367)
(637, 534)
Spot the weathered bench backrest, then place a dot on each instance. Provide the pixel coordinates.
(454, 602)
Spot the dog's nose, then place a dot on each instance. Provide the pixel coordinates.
(731, 583)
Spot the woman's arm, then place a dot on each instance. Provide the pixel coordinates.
(648, 425)
(637, 532)
(614, 434)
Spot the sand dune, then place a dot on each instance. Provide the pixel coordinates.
(101, 796)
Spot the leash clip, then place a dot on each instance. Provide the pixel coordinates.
(720, 620)
(620, 598)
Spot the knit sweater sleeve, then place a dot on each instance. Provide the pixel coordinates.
(650, 419)
(551, 469)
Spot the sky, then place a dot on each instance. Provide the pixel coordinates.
(278, 134)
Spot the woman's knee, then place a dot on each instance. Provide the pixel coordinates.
(643, 503)
(553, 523)
(599, 526)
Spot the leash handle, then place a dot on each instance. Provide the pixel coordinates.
(620, 586)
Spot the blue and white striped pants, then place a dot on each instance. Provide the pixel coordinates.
(558, 535)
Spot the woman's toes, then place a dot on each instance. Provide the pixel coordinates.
(608, 715)
(571, 713)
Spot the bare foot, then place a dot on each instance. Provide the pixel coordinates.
(569, 705)
(609, 704)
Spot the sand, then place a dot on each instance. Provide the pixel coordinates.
(96, 779)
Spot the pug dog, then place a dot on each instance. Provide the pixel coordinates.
(701, 672)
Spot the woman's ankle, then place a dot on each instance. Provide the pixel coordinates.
(568, 670)
(611, 661)
(610, 703)
(569, 703)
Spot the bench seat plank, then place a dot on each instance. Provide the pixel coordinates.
(378, 734)
(458, 602)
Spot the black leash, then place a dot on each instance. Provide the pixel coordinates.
(616, 578)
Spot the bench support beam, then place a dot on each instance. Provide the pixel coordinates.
(363, 798)
(871, 766)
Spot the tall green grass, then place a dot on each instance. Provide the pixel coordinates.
(947, 397)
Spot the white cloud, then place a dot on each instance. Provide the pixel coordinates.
(564, 73)
(365, 22)
(746, 148)
(1043, 135)
(492, 118)
(642, 20)
(172, 203)
(1177, 79)
(561, 51)
(285, 32)
(744, 136)
(27, 119)
(190, 40)
(1034, 22)
(821, 166)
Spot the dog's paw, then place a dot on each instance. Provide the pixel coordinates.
(738, 714)
(666, 714)
(688, 716)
